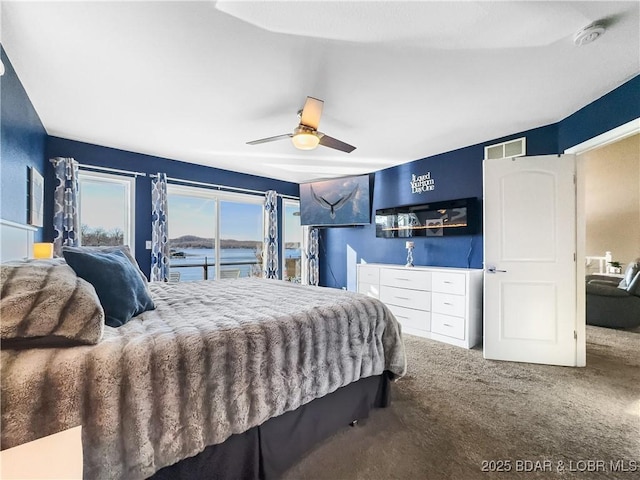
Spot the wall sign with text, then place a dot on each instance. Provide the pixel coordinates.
(422, 183)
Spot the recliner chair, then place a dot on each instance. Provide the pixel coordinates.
(614, 304)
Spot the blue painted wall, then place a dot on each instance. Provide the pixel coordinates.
(22, 145)
(89, 154)
(458, 174)
(608, 112)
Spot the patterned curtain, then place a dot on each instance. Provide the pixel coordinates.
(270, 255)
(66, 223)
(159, 230)
(313, 266)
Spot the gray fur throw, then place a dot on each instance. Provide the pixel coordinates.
(43, 302)
(213, 359)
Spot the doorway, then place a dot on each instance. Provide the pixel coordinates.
(612, 201)
(587, 180)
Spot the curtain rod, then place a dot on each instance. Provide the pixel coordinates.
(223, 187)
(189, 182)
(111, 170)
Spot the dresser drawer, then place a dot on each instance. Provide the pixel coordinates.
(369, 289)
(368, 274)
(448, 304)
(418, 319)
(406, 278)
(448, 283)
(447, 325)
(404, 297)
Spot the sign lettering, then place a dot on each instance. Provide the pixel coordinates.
(422, 183)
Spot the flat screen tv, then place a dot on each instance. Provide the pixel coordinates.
(336, 202)
(437, 219)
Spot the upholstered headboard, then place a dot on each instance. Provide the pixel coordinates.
(16, 240)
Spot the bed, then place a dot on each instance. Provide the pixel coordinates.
(232, 377)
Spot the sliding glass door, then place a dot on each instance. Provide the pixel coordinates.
(214, 234)
(192, 232)
(241, 232)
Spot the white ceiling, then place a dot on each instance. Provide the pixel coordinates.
(194, 81)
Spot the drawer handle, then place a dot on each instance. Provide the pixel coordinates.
(447, 303)
(401, 298)
(400, 316)
(403, 279)
(447, 325)
(447, 281)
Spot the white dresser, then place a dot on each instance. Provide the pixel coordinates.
(444, 304)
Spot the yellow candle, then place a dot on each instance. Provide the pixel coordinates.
(43, 250)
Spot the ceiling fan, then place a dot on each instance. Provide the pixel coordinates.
(306, 135)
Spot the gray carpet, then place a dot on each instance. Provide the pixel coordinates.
(455, 410)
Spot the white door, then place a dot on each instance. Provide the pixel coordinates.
(529, 259)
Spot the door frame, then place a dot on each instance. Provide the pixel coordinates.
(611, 136)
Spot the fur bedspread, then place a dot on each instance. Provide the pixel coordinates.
(213, 359)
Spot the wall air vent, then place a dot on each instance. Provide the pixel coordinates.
(512, 148)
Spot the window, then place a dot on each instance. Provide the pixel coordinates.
(292, 241)
(106, 209)
(214, 234)
(512, 148)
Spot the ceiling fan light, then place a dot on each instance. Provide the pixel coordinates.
(305, 141)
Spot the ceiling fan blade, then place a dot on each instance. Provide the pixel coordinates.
(311, 113)
(270, 139)
(331, 142)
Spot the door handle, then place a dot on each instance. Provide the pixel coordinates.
(492, 269)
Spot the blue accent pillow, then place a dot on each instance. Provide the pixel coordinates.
(121, 291)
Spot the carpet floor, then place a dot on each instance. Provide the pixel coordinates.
(458, 416)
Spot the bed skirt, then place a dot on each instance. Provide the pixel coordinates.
(265, 452)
